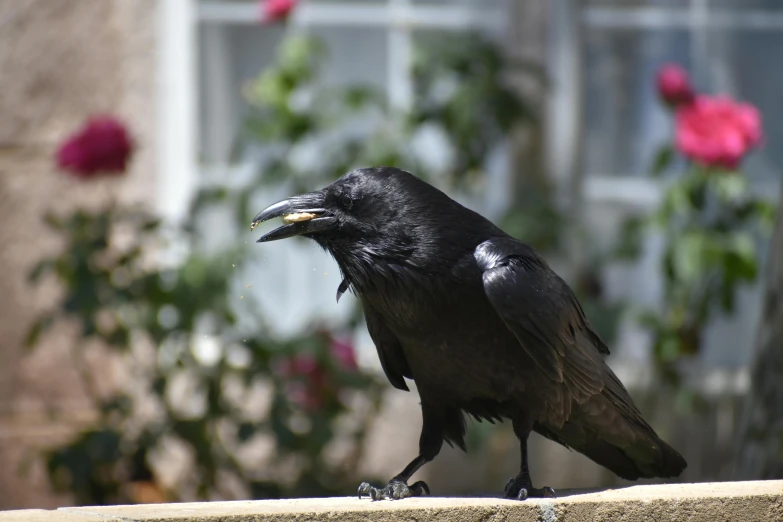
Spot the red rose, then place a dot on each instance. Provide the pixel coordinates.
(101, 146)
(309, 391)
(717, 131)
(301, 364)
(276, 10)
(674, 86)
(342, 350)
(308, 384)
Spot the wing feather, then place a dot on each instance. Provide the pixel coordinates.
(544, 315)
(393, 361)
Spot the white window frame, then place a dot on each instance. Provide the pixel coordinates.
(179, 169)
(176, 107)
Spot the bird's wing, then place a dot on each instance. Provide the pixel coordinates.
(544, 315)
(393, 361)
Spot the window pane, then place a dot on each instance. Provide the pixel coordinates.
(624, 120)
(630, 4)
(356, 55)
(231, 55)
(747, 4)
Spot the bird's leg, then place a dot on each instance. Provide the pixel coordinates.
(521, 486)
(430, 443)
(398, 487)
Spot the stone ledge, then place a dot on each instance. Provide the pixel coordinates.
(759, 501)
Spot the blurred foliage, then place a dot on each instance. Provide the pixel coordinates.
(712, 226)
(188, 377)
(462, 85)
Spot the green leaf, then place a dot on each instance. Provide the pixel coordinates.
(663, 158)
(766, 212)
(649, 320)
(676, 201)
(730, 186)
(742, 244)
(245, 431)
(740, 263)
(118, 338)
(53, 221)
(668, 349)
(150, 225)
(688, 256)
(629, 245)
(39, 327)
(40, 269)
(727, 298)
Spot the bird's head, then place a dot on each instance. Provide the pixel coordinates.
(371, 214)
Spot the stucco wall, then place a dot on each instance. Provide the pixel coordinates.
(61, 61)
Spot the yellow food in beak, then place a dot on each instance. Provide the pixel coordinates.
(296, 217)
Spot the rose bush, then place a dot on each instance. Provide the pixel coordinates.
(710, 219)
(155, 321)
(310, 384)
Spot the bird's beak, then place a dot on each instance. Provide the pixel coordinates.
(302, 215)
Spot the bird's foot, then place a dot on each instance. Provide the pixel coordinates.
(394, 490)
(520, 490)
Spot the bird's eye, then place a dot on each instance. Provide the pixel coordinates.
(345, 201)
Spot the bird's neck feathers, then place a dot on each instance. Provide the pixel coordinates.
(409, 240)
(367, 264)
(420, 256)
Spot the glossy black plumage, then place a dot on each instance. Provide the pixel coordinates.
(480, 322)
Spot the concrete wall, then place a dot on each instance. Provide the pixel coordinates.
(734, 501)
(61, 61)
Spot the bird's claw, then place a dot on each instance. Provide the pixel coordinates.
(394, 490)
(522, 491)
(531, 492)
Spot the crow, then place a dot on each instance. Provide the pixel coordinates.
(477, 320)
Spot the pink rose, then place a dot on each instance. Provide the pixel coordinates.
(717, 131)
(342, 350)
(276, 10)
(674, 86)
(102, 146)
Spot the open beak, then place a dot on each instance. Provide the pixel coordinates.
(302, 215)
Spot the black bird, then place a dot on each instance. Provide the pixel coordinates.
(478, 320)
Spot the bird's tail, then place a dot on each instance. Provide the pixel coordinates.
(610, 430)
